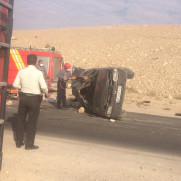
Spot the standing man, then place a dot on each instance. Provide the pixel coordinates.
(63, 77)
(31, 83)
(41, 67)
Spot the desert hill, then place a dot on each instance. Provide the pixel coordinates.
(153, 52)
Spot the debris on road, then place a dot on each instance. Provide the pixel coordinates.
(112, 120)
(177, 114)
(81, 110)
(143, 103)
(50, 100)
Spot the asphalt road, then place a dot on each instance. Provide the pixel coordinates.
(135, 131)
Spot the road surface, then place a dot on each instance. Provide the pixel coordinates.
(135, 131)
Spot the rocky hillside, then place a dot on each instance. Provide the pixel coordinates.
(153, 52)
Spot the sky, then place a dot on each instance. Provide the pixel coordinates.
(50, 14)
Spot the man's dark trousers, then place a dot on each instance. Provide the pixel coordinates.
(61, 93)
(29, 105)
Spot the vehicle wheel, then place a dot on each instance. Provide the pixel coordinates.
(130, 73)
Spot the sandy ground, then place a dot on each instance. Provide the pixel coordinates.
(151, 105)
(66, 160)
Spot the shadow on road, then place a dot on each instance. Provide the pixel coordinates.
(12, 121)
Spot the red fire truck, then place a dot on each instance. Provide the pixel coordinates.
(6, 23)
(52, 61)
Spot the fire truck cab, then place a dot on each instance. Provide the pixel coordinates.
(52, 62)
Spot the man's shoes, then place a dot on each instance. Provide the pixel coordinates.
(19, 145)
(34, 147)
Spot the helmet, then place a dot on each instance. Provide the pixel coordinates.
(67, 66)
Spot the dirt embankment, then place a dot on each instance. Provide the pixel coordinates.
(153, 52)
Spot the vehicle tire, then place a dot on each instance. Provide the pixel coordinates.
(130, 73)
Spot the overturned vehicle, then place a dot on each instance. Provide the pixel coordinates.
(102, 93)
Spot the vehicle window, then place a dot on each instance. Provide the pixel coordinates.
(45, 62)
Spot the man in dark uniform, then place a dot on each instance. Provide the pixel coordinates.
(63, 76)
(32, 84)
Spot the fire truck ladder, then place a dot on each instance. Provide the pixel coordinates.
(6, 30)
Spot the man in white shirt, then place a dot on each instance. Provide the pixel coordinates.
(32, 84)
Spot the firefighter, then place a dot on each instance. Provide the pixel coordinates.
(41, 67)
(63, 76)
